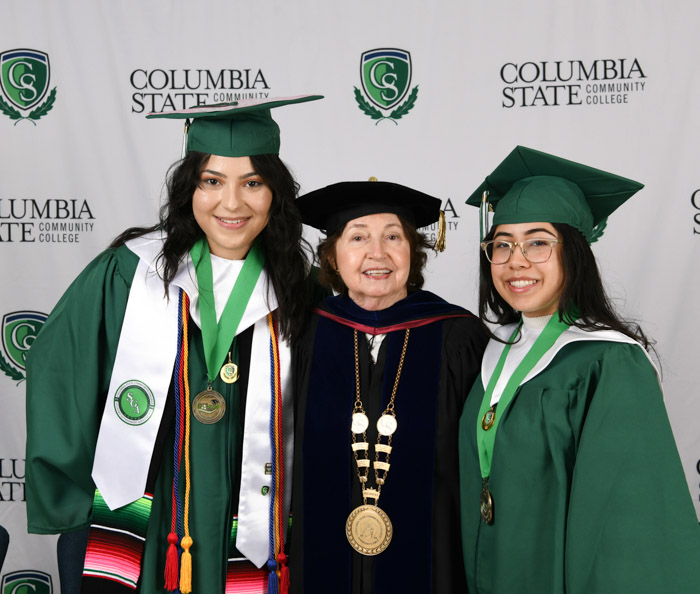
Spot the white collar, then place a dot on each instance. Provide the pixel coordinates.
(530, 331)
(536, 323)
(262, 301)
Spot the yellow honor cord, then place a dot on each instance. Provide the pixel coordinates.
(186, 543)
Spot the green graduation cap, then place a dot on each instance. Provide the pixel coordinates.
(239, 129)
(329, 209)
(530, 186)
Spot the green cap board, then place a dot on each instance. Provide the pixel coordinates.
(530, 186)
(239, 129)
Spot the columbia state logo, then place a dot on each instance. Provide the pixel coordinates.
(26, 581)
(19, 329)
(24, 79)
(134, 402)
(386, 79)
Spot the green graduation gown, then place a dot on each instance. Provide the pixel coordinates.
(588, 489)
(69, 370)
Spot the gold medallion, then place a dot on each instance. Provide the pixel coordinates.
(369, 530)
(229, 373)
(489, 419)
(486, 505)
(208, 406)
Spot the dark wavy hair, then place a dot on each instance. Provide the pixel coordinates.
(583, 302)
(328, 275)
(285, 259)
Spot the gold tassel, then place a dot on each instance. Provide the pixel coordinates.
(186, 566)
(440, 240)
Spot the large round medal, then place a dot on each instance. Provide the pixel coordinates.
(208, 406)
(369, 530)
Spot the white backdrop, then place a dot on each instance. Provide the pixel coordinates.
(613, 85)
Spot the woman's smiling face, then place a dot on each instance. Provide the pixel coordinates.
(373, 257)
(533, 289)
(231, 205)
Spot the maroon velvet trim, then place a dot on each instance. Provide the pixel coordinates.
(386, 329)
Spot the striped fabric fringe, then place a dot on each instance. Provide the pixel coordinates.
(278, 579)
(116, 539)
(242, 577)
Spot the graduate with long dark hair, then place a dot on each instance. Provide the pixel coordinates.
(158, 391)
(569, 475)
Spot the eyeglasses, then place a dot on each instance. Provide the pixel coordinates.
(534, 250)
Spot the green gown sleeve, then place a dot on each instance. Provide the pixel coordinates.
(631, 524)
(68, 372)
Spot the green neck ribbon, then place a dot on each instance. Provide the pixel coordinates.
(217, 338)
(485, 438)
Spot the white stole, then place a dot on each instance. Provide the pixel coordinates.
(531, 329)
(123, 453)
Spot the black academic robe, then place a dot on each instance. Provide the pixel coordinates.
(421, 494)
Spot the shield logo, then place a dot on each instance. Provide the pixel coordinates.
(134, 402)
(28, 580)
(24, 76)
(386, 75)
(19, 329)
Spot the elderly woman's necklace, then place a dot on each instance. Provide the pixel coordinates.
(368, 528)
